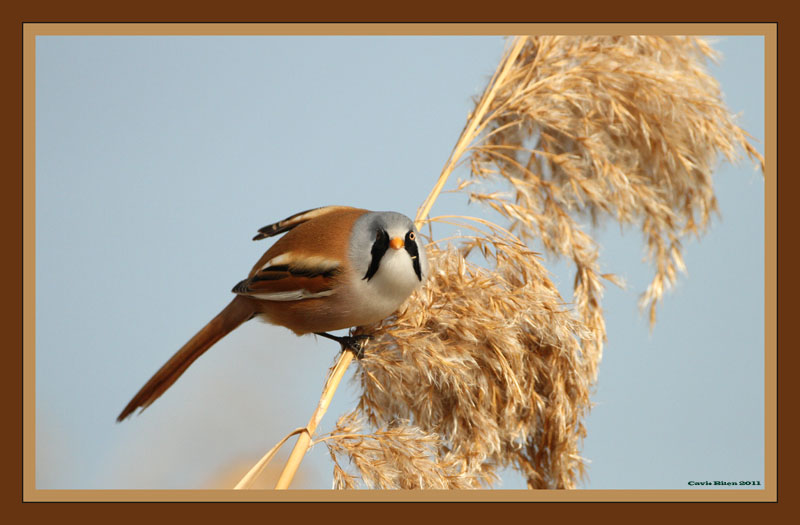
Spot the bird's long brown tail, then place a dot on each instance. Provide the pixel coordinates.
(238, 311)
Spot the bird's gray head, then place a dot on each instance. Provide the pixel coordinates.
(385, 248)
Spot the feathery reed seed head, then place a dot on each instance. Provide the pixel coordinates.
(490, 361)
(487, 366)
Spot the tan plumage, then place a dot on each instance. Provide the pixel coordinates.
(309, 246)
(306, 282)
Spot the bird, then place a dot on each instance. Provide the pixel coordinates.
(335, 267)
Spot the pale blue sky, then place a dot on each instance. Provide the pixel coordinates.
(157, 159)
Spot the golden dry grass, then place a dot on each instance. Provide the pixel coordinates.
(490, 362)
(628, 128)
(487, 366)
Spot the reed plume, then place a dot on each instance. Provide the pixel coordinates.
(487, 366)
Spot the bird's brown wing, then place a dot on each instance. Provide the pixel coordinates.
(306, 262)
(298, 218)
(291, 277)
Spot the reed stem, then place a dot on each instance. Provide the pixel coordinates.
(469, 132)
(304, 441)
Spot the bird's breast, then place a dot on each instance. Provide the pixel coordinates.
(379, 296)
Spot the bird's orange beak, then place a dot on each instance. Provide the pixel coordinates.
(397, 243)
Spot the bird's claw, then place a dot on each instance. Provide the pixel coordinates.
(355, 343)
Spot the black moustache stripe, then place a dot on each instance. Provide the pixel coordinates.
(379, 248)
(413, 251)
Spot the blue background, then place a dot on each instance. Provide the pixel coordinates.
(157, 158)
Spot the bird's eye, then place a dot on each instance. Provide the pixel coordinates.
(411, 236)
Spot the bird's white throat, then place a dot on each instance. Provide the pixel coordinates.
(394, 281)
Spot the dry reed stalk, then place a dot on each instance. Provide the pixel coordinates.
(335, 375)
(247, 481)
(470, 130)
(487, 366)
(304, 441)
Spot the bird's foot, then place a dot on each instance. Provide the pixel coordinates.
(354, 343)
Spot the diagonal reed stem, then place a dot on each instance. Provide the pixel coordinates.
(254, 472)
(468, 134)
(304, 441)
(471, 129)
